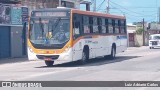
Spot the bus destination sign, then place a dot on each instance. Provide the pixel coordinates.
(50, 14)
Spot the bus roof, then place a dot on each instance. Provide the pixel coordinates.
(81, 12)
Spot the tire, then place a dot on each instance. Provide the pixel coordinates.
(49, 63)
(150, 47)
(113, 53)
(85, 57)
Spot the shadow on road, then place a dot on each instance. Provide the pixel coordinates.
(93, 62)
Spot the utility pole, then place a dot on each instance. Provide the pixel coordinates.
(107, 6)
(143, 32)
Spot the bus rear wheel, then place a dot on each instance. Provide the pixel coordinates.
(113, 53)
(49, 63)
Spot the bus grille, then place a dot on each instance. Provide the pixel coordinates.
(154, 43)
(53, 57)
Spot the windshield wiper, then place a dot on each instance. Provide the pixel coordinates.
(41, 26)
(56, 24)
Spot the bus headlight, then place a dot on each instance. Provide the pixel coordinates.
(67, 49)
(30, 49)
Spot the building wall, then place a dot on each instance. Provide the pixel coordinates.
(138, 40)
(5, 49)
(131, 33)
(16, 41)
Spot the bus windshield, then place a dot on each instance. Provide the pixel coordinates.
(156, 37)
(49, 32)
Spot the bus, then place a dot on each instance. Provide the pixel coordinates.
(154, 41)
(66, 35)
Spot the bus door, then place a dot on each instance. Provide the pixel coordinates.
(77, 43)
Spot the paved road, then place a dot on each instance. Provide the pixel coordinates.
(136, 64)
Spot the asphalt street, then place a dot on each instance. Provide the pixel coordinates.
(135, 64)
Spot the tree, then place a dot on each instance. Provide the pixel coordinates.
(139, 30)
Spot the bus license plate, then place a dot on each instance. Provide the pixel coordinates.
(47, 59)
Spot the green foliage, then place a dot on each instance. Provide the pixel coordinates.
(139, 31)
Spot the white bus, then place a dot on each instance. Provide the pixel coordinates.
(82, 35)
(154, 41)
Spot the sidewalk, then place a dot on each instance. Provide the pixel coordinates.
(142, 47)
(13, 60)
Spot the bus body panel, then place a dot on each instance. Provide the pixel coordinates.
(99, 44)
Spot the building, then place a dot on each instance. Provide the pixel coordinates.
(37, 4)
(131, 29)
(12, 29)
(153, 28)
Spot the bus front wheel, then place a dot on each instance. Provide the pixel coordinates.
(49, 63)
(84, 57)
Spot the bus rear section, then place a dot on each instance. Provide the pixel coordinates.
(154, 41)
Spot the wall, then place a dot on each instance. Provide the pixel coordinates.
(5, 42)
(12, 41)
(138, 40)
(16, 41)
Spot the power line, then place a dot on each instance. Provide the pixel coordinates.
(100, 5)
(125, 8)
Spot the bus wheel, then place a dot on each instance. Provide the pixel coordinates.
(113, 53)
(49, 63)
(84, 57)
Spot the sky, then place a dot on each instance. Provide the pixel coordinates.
(134, 10)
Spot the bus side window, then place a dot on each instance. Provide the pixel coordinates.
(123, 26)
(110, 26)
(91, 24)
(103, 26)
(113, 24)
(76, 29)
(86, 27)
(116, 26)
(106, 24)
(100, 25)
(119, 25)
(95, 25)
